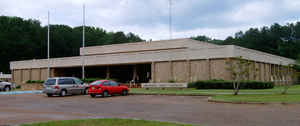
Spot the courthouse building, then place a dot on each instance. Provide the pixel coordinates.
(180, 60)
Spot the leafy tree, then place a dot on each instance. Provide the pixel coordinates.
(26, 39)
(240, 70)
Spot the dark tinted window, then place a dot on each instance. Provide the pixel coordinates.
(50, 82)
(114, 83)
(77, 81)
(96, 83)
(107, 83)
(65, 81)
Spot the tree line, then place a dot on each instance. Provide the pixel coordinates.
(22, 39)
(282, 40)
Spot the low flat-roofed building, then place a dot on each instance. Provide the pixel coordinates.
(5, 77)
(180, 60)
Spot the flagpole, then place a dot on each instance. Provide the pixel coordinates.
(170, 19)
(83, 43)
(48, 45)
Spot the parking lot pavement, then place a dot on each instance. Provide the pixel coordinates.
(27, 108)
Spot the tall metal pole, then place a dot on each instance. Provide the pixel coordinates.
(170, 18)
(83, 43)
(48, 45)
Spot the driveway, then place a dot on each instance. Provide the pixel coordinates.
(28, 108)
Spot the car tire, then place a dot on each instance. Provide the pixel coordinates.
(63, 93)
(7, 88)
(86, 91)
(49, 95)
(105, 94)
(93, 95)
(124, 92)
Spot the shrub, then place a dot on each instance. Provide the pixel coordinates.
(222, 84)
(34, 81)
(18, 87)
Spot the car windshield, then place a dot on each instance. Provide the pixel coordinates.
(96, 83)
(50, 82)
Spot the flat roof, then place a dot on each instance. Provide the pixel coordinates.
(156, 51)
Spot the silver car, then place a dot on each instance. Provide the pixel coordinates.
(63, 86)
(6, 86)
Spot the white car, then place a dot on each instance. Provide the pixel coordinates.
(6, 86)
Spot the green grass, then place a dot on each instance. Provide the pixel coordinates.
(247, 95)
(106, 122)
(266, 98)
(192, 91)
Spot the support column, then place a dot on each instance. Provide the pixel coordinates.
(12, 75)
(153, 72)
(209, 69)
(30, 74)
(188, 76)
(134, 73)
(21, 71)
(107, 72)
(40, 74)
(171, 71)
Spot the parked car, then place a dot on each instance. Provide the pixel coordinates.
(63, 86)
(6, 86)
(107, 87)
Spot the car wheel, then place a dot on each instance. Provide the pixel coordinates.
(63, 93)
(124, 92)
(105, 94)
(86, 91)
(7, 88)
(49, 95)
(93, 95)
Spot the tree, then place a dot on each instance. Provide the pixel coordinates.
(26, 39)
(239, 69)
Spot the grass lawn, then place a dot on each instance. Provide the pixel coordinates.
(106, 122)
(191, 91)
(265, 98)
(248, 95)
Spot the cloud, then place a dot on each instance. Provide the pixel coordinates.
(149, 18)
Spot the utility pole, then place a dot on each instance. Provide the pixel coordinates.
(83, 43)
(170, 19)
(48, 45)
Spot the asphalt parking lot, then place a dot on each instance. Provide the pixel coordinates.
(28, 108)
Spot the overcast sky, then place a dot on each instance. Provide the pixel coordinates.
(149, 18)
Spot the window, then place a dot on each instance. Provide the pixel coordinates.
(96, 83)
(107, 83)
(66, 81)
(114, 83)
(50, 82)
(77, 81)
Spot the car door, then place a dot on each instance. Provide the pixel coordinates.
(68, 84)
(115, 87)
(1, 84)
(80, 86)
(107, 86)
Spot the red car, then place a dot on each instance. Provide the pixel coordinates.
(107, 87)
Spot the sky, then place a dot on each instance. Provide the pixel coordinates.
(149, 19)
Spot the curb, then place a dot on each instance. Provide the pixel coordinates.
(250, 103)
(170, 94)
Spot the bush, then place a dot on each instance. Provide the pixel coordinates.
(222, 84)
(18, 87)
(34, 81)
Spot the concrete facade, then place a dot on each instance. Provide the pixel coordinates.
(180, 60)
